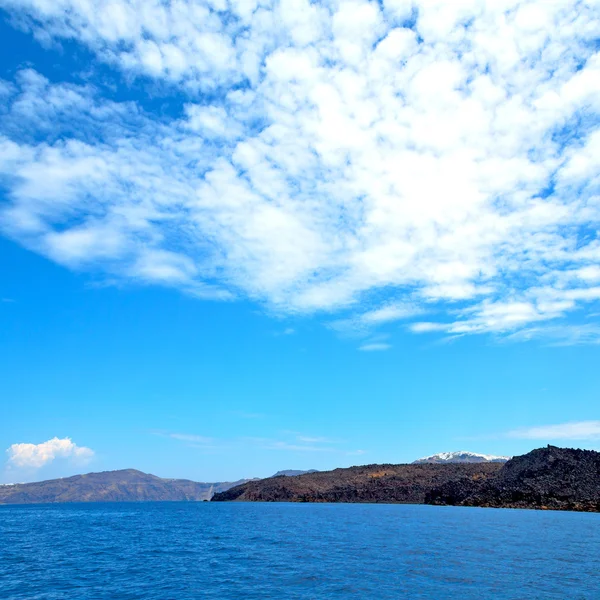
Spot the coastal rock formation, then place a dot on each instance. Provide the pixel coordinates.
(461, 456)
(547, 478)
(370, 483)
(127, 485)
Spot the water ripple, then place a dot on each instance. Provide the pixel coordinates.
(181, 551)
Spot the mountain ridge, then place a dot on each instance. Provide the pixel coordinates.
(124, 485)
(461, 456)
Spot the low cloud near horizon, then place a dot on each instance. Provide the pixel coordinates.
(577, 430)
(378, 159)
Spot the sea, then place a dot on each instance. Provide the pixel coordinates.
(177, 551)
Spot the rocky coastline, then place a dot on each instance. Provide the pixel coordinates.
(548, 478)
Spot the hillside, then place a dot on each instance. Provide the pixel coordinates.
(127, 485)
(547, 478)
(370, 483)
(551, 477)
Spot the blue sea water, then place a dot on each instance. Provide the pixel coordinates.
(164, 551)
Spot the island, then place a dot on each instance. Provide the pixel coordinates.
(546, 478)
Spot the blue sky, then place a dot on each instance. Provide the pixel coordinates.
(239, 237)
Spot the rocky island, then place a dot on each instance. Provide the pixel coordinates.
(547, 478)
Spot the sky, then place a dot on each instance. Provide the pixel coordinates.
(241, 236)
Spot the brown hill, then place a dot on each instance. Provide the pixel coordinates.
(547, 478)
(127, 485)
(370, 483)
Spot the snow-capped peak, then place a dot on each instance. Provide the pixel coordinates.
(461, 456)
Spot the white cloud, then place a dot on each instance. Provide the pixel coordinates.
(187, 437)
(375, 347)
(355, 452)
(345, 161)
(38, 455)
(193, 440)
(315, 440)
(296, 442)
(565, 335)
(582, 430)
(427, 327)
(390, 312)
(280, 445)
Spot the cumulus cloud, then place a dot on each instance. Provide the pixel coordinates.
(581, 430)
(38, 455)
(385, 159)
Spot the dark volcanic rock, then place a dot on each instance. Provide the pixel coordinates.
(547, 478)
(370, 483)
(127, 485)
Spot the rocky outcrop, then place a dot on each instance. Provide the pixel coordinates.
(370, 483)
(547, 478)
(126, 485)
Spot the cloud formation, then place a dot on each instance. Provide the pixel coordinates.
(407, 156)
(375, 347)
(291, 441)
(38, 455)
(188, 437)
(581, 430)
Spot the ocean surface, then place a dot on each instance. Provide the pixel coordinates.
(178, 551)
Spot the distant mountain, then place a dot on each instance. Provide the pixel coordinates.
(127, 485)
(293, 473)
(461, 457)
